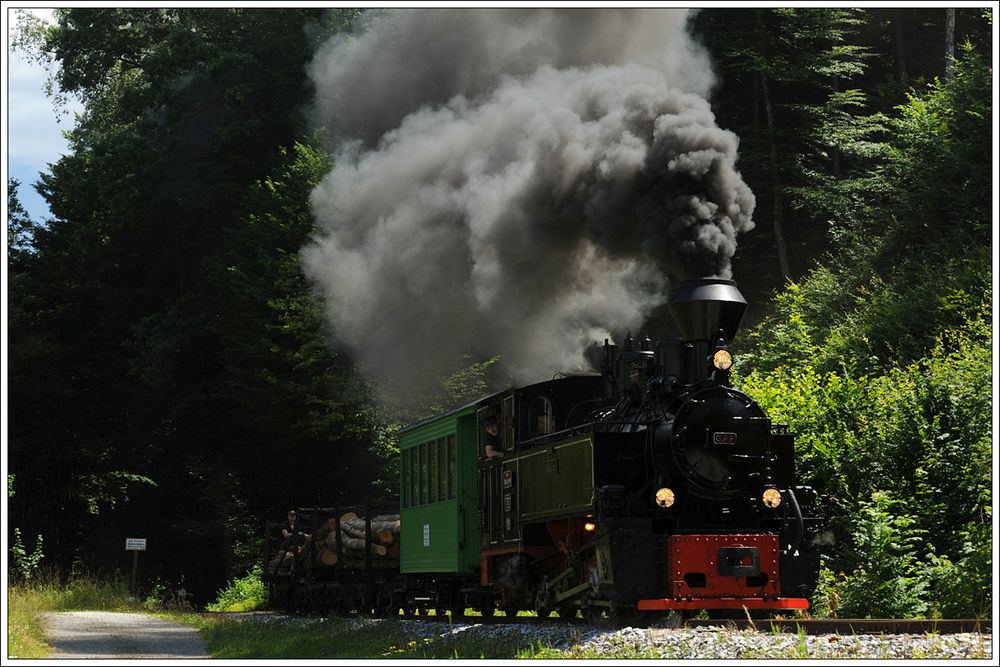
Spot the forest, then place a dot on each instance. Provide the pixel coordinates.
(173, 372)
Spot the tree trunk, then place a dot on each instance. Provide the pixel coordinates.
(949, 44)
(835, 149)
(779, 234)
(898, 22)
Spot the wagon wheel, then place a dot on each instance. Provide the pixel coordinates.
(624, 613)
(511, 611)
(593, 613)
(566, 610)
(384, 607)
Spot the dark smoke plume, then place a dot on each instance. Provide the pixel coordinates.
(516, 182)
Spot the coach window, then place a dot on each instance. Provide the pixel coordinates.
(404, 482)
(433, 472)
(540, 421)
(423, 474)
(442, 480)
(415, 476)
(452, 490)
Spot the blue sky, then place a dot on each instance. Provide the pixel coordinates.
(34, 137)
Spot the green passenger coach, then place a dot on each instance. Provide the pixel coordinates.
(438, 494)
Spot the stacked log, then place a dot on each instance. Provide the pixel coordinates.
(382, 547)
(283, 560)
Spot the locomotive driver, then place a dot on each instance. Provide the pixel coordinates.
(491, 439)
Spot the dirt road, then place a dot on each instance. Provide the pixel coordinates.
(109, 635)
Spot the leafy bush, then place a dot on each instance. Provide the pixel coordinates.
(243, 594)
(166, 596)
(922, 429)
(826, 599)
(25, 565)
(963, 589)
(889, 580)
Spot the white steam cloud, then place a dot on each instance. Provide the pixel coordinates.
(515, 182)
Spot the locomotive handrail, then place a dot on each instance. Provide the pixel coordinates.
(584, 428)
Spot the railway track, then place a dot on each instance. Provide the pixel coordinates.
(853, 626)
(812, 626)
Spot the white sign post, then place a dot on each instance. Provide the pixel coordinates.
(135, 545)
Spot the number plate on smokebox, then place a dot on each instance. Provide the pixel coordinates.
(724, 438)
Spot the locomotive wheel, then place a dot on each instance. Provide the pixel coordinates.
(487, 612)
(511, 612)
(544, 612)
(624, 613)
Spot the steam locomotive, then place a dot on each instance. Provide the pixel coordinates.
(652, 486)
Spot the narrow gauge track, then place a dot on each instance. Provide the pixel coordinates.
(855, 626)
(812, 626)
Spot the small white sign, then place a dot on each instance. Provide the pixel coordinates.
(135, 544)
(427, 534)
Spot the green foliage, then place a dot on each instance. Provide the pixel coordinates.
(889, 580)
(825, 600)
(469, 382)
(162, 310)
(81, 592)
(246, 593)
(922, 430)
(168, 596)
(963, 588)
(20, 227)
(25, 565)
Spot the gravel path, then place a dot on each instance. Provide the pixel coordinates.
(109, 635)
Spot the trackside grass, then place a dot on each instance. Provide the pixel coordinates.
(25, 628)
(235, 637)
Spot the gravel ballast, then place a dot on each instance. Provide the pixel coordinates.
(700, 643)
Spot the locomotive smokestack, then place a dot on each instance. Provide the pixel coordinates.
(702, 306)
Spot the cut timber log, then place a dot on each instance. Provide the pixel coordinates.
(326, 529)
(354, 544)
(356, 527)
(327, 557)
(377, 564)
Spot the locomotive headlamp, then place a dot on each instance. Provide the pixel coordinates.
(589, 526)
(665, 497)
(771, 498)
(722, 360)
